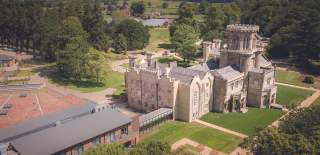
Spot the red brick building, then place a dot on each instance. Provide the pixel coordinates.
(70, 132)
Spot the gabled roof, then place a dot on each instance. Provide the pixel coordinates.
(228, 73)
(33, 125)
(186, 75)
(68, 134)
(207, 66)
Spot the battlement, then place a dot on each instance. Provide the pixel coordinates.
(243, 28)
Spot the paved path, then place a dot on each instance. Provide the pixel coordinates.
(204, 150)
(305, 88)
(221, 129)
(304, 104)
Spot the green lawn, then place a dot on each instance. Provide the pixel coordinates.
(173, 131)
(316, 102)
(246, 123)
(159, 39)
(289, 78)
(111, 80)
(290, 96)
(23, 73)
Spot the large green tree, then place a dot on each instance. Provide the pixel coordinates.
(184, 39)
(136, 34)
(73, 55)
(299, 133)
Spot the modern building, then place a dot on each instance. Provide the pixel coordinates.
(234, 74)
(69, 132)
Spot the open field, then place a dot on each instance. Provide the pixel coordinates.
(316, 102)
(173, 131)
(33, 104)
(159, 39)
(24, 73)
(288, 77)
(246, 123)
(290, 96)
(111, 79)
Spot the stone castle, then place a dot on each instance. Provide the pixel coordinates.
(234, 74)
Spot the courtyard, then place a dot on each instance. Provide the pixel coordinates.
(173, 131)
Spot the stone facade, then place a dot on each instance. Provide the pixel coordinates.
(234, 74)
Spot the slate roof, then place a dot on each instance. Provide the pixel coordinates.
(186, 75)
(4, 57)
(209, 65)
(62, 136)
(228, 73)
(22, 129)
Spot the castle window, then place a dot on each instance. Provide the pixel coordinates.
(232, 85)
(237, 83)
(268, 81)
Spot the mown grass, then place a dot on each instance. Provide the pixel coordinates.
(159, 39)
(173, 131)
(290, 96)
(289, 78)
(247, 123)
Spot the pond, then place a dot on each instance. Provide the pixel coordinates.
(155, 22)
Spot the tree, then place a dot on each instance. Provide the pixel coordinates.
(217, 18)
(72, 56)
(165, 5)
(136, 34)
(298, 133)
(96, 64)
(114, 149)
(184, 39)
(138, 8)
(120, 44)
(152, 147)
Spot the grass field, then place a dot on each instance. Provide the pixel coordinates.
(290, 96)
(24, 73)
(289, 78)
(173, 131)
(316, 102)
(246, 123)
(111, 80)
(159, 39)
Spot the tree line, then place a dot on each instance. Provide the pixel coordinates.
(293, 25)
(187, 28)
(299, 133)
(142, 148)
(70, 32)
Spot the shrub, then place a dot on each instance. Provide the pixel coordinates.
(309, 79)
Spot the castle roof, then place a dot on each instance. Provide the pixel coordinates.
(228, 73)
(185, 75)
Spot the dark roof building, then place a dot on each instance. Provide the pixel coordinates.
(70, 132)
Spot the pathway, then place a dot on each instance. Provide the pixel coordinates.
(304, 104)
(221, 129)
(203, 150)
(294, 86)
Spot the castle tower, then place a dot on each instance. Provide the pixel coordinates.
(149, 58)
(206, 47)
(241, 51)
(132, 61)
